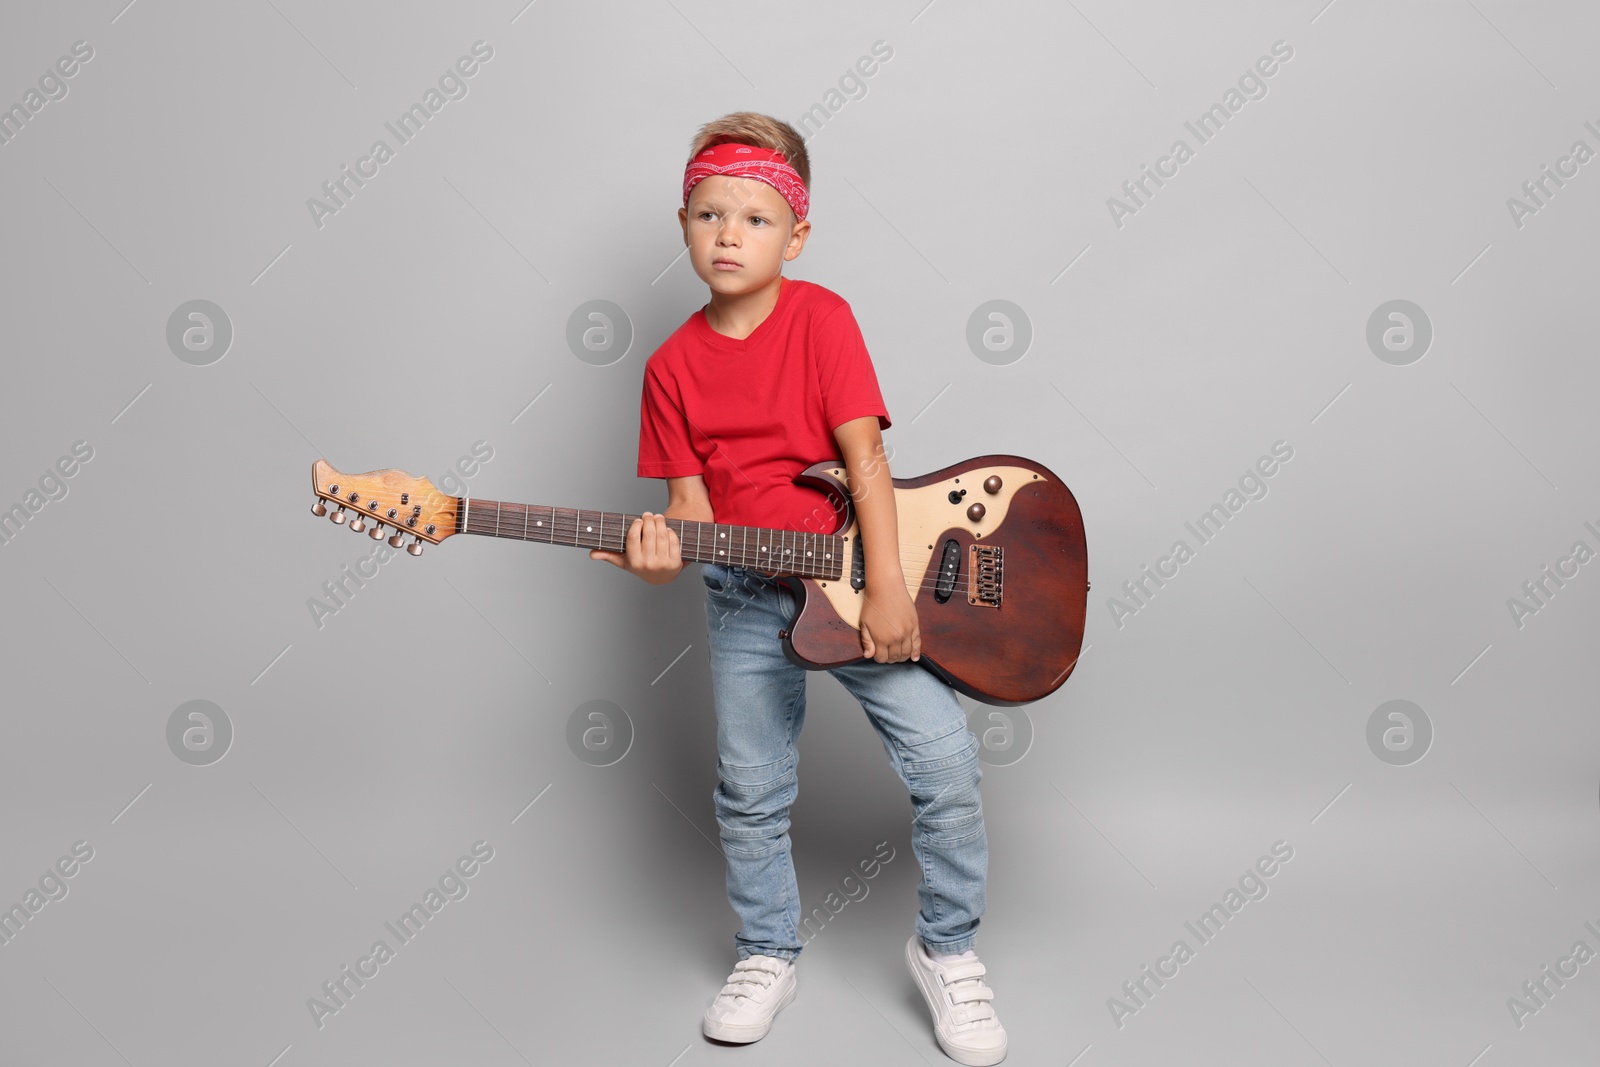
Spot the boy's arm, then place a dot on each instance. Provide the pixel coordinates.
(889, 628)
(688, 498)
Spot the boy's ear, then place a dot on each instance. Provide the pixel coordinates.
(797, 239)
(683, 220)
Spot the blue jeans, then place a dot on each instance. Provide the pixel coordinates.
(761, 707)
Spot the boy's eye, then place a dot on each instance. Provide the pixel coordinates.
(757, 218)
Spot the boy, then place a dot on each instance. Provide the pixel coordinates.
(769, 377)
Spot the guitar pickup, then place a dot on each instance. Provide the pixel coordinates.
(985, 585)
(949, 568)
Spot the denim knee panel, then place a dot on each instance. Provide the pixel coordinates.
(752, 804)
(944, 789)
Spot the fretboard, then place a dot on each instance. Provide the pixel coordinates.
(809, 555)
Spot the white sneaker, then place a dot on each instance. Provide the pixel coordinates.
(964, 1020)
(757, 990)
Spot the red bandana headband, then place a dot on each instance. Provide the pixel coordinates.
(747, 161)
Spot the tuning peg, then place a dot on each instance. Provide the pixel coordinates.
(357, 523)
(415, 547)
(337, 517)
(318, 508)
(397, 539)
(377, 531)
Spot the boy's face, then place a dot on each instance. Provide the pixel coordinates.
(739, 232)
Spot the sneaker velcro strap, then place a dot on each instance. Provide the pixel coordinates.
(976, 992)
(959, 972)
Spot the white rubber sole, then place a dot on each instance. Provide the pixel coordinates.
(745, 1033)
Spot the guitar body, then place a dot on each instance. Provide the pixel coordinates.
(1011, 628)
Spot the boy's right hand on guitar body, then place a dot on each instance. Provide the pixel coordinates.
(652, 551)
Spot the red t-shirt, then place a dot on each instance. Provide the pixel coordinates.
(750, 414)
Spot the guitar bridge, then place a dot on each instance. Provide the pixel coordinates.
(985, 587)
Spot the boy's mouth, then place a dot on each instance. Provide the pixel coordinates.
(725, 264)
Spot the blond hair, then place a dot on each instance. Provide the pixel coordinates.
(754, 128)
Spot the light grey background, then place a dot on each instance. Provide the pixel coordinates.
(1168, 354)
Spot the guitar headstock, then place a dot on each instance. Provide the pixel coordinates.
(392, 498)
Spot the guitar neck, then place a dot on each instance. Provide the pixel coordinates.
(807, 555)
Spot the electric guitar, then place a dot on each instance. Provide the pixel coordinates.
(992, 551)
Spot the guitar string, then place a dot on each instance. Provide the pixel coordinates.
(564, 532)
(910, 555)
(567, 525)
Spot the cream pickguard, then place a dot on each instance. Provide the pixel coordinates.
(925, 514)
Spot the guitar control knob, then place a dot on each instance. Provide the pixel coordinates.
(975, 512)
(337, 517)
(377, 531)
(357, 524)
(318, 508)
(992, 484)
(415, 547)
(397, 539)
(782, 634)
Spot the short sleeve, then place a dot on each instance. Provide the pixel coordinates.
(665, 449)
(844, 371)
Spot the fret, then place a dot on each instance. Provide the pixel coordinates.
(497, 518)
(744, 545)
(698, 528)
(577, 522)
(525, 522)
